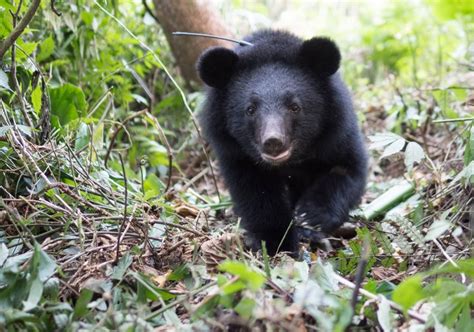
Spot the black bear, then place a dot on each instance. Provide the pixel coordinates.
(281, 123)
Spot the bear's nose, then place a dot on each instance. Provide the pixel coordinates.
(273, 146)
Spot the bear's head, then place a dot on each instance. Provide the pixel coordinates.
(275, 94)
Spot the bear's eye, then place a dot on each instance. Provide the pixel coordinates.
(251, 110)
(295, 108)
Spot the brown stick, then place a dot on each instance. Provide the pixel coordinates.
(412, 313)
(18, 30)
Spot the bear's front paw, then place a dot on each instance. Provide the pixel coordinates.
(315, 238)
(318, 219)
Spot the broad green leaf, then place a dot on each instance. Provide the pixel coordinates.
(443, 100)
(27, 49)
(245, 307)
(123, 264)
(409, 292)
(34, 296)
(436, 229)
(47, 266)
(413, 154)
(152, 186)
(67, 103)
(7, 5)
(87, 17)
(46, 49)
(254, 279)
(233, 287)
(5, 22)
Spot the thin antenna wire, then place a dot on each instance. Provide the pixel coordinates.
(205, 35)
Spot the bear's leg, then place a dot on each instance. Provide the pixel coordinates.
(326, 203)
(261, 200)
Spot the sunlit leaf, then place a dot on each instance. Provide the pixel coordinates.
(385, 316)
(413, 154)
(409, 292)
(46, 49)
(254, 279)
(4, 81)
(393, 148)
(245, 307)
(67, 103)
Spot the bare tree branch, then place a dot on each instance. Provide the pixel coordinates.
(17, 31)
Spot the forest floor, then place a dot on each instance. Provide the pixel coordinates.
(103, 240)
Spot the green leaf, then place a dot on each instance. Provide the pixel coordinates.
(46, 49)
(245, 307)
(409, 292)
(67, 103)
(152, 186)
(82, 136)
(122, 266)
(254, 279)
(383, 139)
(436, 229)
(81, 304)
(234, 287)
(36, 291)
(4, 81)
(465, 322)
(47, 265)
(148, 291)
(385, 316)
(24, 129)
(393, 148)
(413, 154)
(388, 200)
(179, 273)
(36, 99)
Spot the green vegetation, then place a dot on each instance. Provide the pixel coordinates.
(109, 214)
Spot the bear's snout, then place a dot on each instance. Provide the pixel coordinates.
(273, 146)
(274, 140)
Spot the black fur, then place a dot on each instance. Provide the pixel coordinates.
(288, 90)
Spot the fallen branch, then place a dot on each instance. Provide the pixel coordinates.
(413, 314)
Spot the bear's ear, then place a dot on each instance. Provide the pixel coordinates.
(321, 55)
(216, 65)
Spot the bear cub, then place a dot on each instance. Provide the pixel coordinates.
(281, 123)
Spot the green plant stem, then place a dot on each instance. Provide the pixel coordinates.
(388, 200)
(453, 120)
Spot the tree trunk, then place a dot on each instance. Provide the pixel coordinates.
(190, 16)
